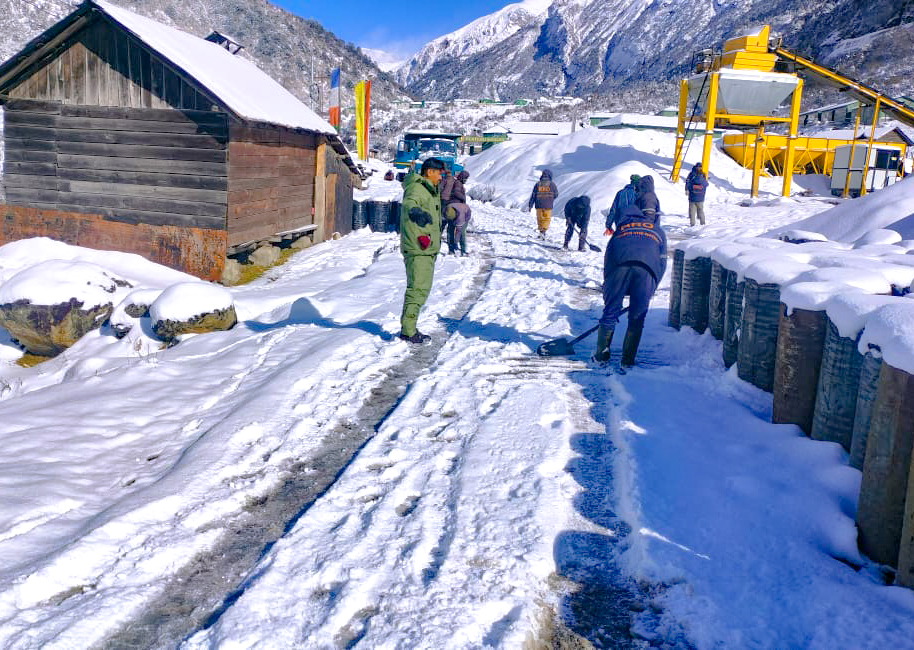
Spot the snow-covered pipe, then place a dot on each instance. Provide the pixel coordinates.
(837, 417)
(757, 350)
(695, 282)
(836, 394)
(886, 465)
(717, 300)
(733, 317)
(676, 289)
(867, 385)
(696, 285)
(800, 341)
(725, 256)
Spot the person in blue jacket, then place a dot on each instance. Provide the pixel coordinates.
(696, 184)
(624, 198)
(634, 262)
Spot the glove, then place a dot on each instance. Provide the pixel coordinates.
(420, 217)
(424, 241)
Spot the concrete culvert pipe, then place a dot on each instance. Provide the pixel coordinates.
(762, 315)
(717, 300)
(393, 223)
(676, 288)
(883, 490)
(696, 285)
(800, 339)
(867, 384)
(836, 394)
(359, 214)
(759, 334)
(378, 215)
(733, 317)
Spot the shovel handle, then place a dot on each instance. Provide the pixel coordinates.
(593, 247)
(591, 330)
(584, 335)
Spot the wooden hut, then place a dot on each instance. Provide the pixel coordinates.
(122, 133)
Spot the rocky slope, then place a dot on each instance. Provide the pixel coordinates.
(296, 52)
(615, 47)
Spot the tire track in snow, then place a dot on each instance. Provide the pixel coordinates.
(443, 532)
(204, 590)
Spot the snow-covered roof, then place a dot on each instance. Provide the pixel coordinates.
(863, 133)
(244, 88)
(538, 128)
(652, 121)
(831, 107)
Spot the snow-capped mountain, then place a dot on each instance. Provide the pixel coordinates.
(604, 47)
(296, 52)
(386, 61)
(479, 36)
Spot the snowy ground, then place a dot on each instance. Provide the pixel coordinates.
(446, 497)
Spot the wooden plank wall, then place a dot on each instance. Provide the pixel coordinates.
(134, 165)
(270, 182)
(342, 190)
(104, 66)
(197, 251)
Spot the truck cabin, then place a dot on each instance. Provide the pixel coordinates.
(416, 147)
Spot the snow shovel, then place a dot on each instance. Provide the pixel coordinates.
(593, 247)
(563, 347)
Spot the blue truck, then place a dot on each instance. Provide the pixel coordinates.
(417, 145)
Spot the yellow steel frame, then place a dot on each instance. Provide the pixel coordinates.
(854, 88)
(680, 128)
(754, 52)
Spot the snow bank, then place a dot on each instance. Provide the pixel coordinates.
(849, 310)
(892, 207)
(186, 300)
(891, 328)
(54, 282)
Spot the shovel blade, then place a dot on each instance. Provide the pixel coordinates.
(557, 348)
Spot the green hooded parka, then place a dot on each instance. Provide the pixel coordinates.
(420, 222)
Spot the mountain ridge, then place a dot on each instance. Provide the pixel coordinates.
(614, 47)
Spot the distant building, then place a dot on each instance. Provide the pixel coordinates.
(843, 114)
(536, 128)
(595, 119)
(663, 123)
(892, 132)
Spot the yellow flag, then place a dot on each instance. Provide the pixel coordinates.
(362, 117)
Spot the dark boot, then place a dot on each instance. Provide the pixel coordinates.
(630, 344)
(604, 339)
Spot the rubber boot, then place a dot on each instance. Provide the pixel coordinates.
(630, 344)
(604, 339)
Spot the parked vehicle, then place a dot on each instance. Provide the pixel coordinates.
(418, 145)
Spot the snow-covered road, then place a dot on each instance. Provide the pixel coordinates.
(440, 528)
(306, 480)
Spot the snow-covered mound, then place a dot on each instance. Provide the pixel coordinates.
(891, 208)
(599, 162)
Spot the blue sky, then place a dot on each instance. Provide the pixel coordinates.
(400, 28)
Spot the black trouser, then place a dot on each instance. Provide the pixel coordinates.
(570, 226)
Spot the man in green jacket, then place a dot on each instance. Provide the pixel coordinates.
(420, 241)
